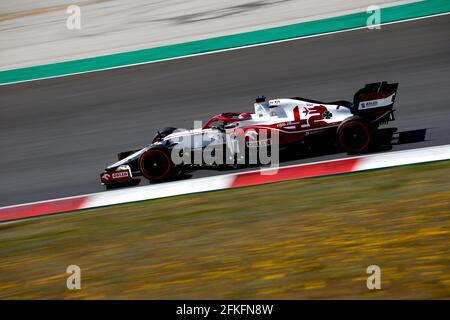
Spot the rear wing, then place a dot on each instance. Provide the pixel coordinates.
(375, 95)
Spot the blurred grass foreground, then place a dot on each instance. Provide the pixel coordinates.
(303, 239)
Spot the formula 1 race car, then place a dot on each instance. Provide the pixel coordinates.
(229, 138)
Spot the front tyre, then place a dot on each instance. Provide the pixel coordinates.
(354, 135)
(156, 165)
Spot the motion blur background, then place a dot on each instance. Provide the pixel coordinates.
(34, 32)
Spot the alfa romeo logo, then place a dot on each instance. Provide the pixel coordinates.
(327, 115)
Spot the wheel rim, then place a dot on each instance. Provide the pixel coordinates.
(154, 164)
(354, 136)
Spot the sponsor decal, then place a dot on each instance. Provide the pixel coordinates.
(327, 115)
(258, 143)
(106, 176)
(316, 116)
(120, 175)
(369, 104)
(284, 124)
(374, 103)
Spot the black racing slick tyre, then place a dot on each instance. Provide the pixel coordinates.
(354, 135)
(156, 165)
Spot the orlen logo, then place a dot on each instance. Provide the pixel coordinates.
(122, 174)
(369, 104)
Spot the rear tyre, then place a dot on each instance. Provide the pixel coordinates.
(156, 165)
(354, 135)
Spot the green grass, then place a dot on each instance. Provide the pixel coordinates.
(310, 238)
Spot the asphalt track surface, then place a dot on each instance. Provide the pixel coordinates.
(56, 135)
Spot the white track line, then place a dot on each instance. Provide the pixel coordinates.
(224, 50)
(366, 162)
